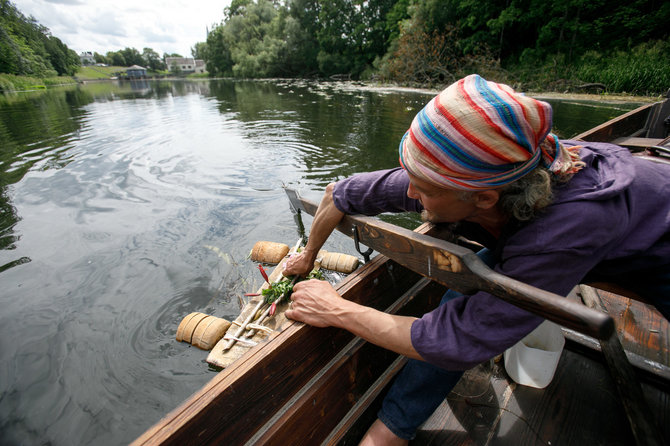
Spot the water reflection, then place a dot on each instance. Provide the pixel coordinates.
(125, 206)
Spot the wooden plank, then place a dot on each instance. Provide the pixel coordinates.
(648, 370)
(624, 125)
(628, 387)
(640, 143)
(244, 396)
(460, 269)
(644, 334)
(348, 426)
(642, 329)
(656, 123)
(471, 413)
(320, 405)
(578, 407)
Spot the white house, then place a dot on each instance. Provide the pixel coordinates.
(185, 65)
(87, 58)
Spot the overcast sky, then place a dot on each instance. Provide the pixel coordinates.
(167, 26)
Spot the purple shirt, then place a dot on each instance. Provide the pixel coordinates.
(611, 218)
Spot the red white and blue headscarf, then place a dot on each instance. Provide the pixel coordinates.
(478, 135)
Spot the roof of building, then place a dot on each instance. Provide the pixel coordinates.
(179, 60)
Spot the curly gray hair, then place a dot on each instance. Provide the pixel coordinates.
(525, 198)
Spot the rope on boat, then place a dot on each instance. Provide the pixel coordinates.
(263, 328)
(243, 341)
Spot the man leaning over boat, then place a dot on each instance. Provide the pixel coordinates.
(550, 213)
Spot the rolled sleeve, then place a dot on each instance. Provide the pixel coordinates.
(374, 193)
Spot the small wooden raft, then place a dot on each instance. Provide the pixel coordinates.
(220, 356)
(257, 320)
(236, 341)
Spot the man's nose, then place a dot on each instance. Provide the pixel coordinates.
(411, 193)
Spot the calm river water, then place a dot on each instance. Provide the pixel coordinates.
(124, 207)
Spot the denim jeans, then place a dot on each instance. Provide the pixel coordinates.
(416, 392)
(420, 387)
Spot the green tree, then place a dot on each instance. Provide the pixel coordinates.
(255, 48)
(132, 56)
(237, 7)
(65, 61)
(352, 34)
(219, 61)
(28, 48)
(152, 60)
(199, 51)
(301, 23)
(99, 58)
(116, 58)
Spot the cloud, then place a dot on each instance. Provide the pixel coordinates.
(104, 23)
(151, 36)
(167, 26)
(66, 2)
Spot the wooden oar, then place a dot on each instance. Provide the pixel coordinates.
(460, 269)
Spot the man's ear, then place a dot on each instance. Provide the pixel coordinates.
(486, 199)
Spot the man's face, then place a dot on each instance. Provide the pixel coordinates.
(441, 205)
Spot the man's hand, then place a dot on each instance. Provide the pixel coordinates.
(299, 264)
(316, 303)
(325, 221)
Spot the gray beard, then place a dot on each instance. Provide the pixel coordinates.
(426, 217)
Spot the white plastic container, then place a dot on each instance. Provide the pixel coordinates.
(533, 360)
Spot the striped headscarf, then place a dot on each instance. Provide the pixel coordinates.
(478, 135)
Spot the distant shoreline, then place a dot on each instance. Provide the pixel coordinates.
(614, 97)
(355, 85)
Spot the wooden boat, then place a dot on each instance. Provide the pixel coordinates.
(311, 385)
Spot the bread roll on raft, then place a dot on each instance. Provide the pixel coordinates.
(273, 252)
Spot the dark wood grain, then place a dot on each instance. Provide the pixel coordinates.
(245, 395)
(627, 385)
(321, 404)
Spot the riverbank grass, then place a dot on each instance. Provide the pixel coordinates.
(13, 83)
(96, 72)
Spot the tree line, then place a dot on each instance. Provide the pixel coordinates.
(437, 41)
(127, 57)
(619, 44)
(28, 48)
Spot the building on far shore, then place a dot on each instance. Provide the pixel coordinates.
(184, 65)
(86, 58)
(136, 72)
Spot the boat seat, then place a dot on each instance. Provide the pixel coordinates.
(637, 142)
(652, 149)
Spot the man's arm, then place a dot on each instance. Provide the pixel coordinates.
(325, 221)
(316, 303)
(369, 193)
